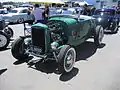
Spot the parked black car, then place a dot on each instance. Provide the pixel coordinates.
(108, 19)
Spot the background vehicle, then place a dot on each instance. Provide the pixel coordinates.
(66, 11)
(5, 34)
(5, 28)
(18, 15)
(3, 11)
(58, 39)
(108, 19)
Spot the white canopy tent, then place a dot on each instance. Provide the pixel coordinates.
(12, 1)
(81, 3)
(46, 1)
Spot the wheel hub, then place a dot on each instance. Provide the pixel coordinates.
(101, 34)
(69, 60)
(3, 40)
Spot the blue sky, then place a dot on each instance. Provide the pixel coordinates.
(91, 1)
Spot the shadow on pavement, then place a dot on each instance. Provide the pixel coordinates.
(46, 67)
(51, 66)
(22, 61)
(86, 50)
(2, 71)
(68, 76)
(5, 49)
(110, 33)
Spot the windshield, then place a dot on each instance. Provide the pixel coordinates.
(105, 12)
(68, 11)
(13, 11)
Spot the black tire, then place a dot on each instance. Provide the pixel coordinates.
(18, 50)
(62, 59)
(9, 32)
(114, 28)
(4, 40)
(118, 22)
(98, 36)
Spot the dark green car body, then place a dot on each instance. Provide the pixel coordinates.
(57, 39)
(76, 31)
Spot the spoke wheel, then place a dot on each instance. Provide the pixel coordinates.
(4, 40)
(69, 60)
(9, 32)
(114, 27)
(99, 34)
(66, 59)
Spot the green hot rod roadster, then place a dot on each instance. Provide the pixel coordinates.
(57, 39)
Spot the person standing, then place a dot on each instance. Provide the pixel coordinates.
(46, 13)
(86, 10)
(37, 12)
(92, 10)
(30, 16)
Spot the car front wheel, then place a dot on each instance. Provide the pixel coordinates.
(66, 59)
(18, 49)
(114, 28)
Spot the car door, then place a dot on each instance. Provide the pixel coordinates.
(84, 29)
(79, 32)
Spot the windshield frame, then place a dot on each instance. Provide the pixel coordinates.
(14, 11)
(105, 12)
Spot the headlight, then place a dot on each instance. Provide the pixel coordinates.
(99, 19)
(54, 45)
(27, 41)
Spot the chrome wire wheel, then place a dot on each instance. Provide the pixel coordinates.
(101, 35)
(9, 32)
(3, 40)
(69, 60)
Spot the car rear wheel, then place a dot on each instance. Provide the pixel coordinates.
(18, 49)
(20, 20)
(118, 22)
(9, 32)
(99, 34)
(4, 40)
(66, 59)
(114, 27)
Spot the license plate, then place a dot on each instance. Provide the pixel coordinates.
(36, 49)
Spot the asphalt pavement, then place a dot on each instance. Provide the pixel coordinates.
(95, 69)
